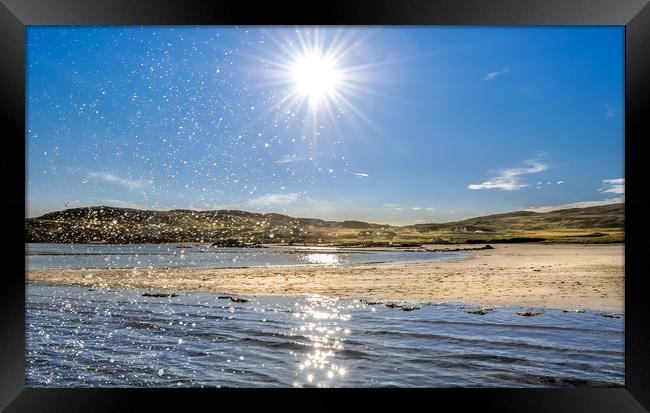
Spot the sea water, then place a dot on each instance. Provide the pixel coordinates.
(85, 337)
(206, 256)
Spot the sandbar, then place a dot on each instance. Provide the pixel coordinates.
(565, 276)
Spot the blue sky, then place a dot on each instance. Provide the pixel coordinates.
(396, 124)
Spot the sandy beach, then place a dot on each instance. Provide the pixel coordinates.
(551, 276)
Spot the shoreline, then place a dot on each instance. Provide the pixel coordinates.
(561, 276)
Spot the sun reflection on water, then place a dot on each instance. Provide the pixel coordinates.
(320, 322)
(322, 259)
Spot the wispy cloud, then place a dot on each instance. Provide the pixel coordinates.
(613, 186)
(276, 199)
(295, 204)
(582, 204)
(362, 175)
(609, 111)
(398, 207)
(290, 158)
(510, 179)
(492, 75)
(125, 182)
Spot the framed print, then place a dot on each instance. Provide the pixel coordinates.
(397, 203)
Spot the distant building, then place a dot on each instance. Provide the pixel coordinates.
(460, 228)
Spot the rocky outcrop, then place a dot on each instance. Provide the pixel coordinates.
(233, 299)
(160, 295)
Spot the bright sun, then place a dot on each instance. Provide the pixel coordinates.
(312, 70)
(315, 76)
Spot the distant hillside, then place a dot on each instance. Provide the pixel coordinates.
(603, 217)
(232, 227)
(125, 225)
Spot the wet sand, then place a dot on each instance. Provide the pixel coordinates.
(551, 276)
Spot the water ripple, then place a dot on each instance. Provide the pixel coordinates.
(117, 338)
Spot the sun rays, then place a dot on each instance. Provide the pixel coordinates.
(315, 74)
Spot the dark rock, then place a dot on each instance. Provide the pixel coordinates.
(529, 313)
(479, 311)
(163, 295)
(234, 243)
(234, 299)
(403, 307)
(369, 302)
(486, 247)
(611, 315)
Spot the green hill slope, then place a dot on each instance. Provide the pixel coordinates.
(233, 227)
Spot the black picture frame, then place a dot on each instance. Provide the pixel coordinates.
(15, 15)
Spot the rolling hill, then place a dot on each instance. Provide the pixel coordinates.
(232, 227)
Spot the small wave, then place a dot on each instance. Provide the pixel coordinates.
(196, 340)
(494, 343)
(520, 326)
(551, 381)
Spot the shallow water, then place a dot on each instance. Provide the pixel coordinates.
(205, 256)
(80, 337)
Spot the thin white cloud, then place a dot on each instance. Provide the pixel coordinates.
(397, 207)
(294, 204)
(125, 182)
(613, 186)
(510, 179)
(276, 199)
(609, 112)
(559, 182)
(492, 75)
(582, 204)
(362, 175)
(289, 159)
